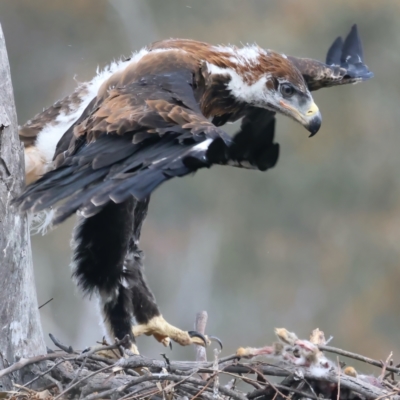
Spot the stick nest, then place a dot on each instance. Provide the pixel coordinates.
(290, 368)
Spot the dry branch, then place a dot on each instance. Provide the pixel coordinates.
(200, 326)
(306, 373)
(358, 357)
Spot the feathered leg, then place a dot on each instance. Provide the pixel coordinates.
(143, 301)
(108, 262)
(147, 314)
(101, 243)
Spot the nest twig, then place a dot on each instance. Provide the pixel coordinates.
(302, 365)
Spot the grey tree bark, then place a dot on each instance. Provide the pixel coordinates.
(20, 329)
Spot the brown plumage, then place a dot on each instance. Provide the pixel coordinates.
(223, 56)
(152, 118)
(316, 74)
(117, 111)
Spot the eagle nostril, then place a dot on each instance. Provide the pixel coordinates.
(313, 110)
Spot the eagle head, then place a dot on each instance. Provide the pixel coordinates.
(284, 91)
(266, 79)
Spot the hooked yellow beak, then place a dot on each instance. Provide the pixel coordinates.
(311, 119)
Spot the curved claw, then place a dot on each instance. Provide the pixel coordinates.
(199, 335)
(215, 339)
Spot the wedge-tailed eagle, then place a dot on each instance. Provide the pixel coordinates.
(103, 150)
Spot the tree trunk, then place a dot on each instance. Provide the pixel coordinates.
(20, 330)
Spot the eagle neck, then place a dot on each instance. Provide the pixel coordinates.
(217, 98)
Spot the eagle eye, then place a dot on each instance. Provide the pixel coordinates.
(287, 90)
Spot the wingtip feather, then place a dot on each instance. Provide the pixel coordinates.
(335, 51)
(352, 47)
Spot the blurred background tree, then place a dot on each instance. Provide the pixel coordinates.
(314, 242)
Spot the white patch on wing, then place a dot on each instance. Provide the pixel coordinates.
(38, 158)
(50, 135)
(201, 146)
(199, 150)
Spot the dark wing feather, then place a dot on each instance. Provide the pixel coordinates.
(254, 143)
(335, 52)
(352, 51)
(344, 64)
(104, 162)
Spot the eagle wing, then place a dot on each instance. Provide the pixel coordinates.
(344, 64)
(126, 144)
(253, 146)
